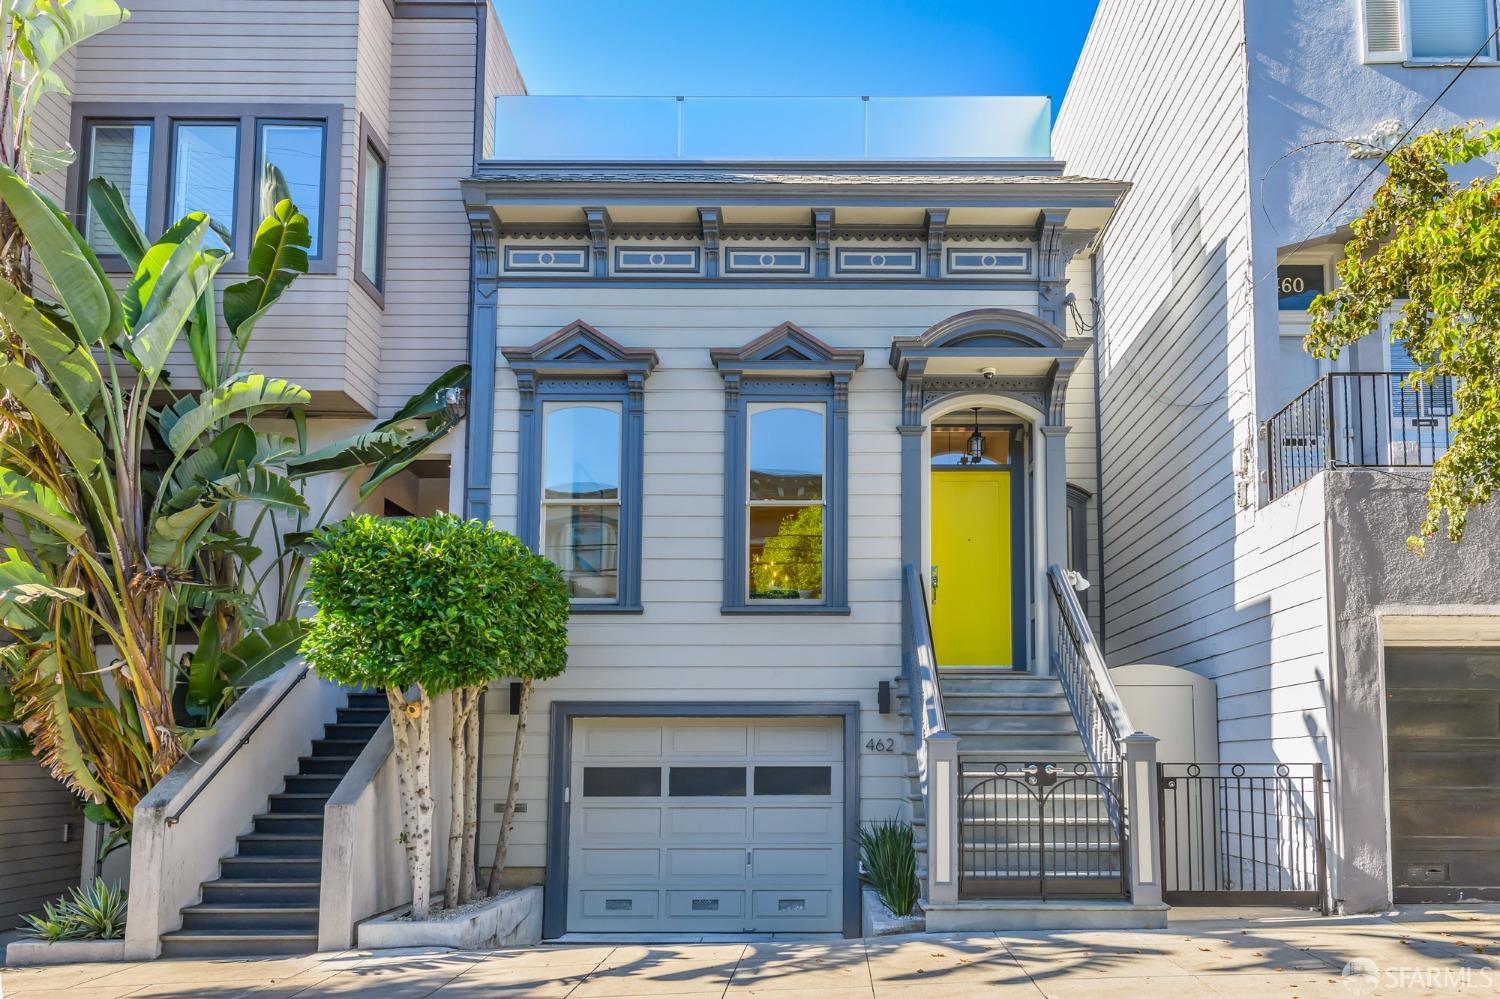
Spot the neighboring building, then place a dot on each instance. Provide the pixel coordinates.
(1227, 548)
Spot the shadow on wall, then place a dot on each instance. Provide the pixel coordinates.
(1188, 580)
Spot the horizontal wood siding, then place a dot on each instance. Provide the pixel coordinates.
(501, 76)
(1189, 578)
(36, 863)
(431, 141)
(682, 647)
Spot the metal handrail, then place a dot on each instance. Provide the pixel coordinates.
(1079, 666)
(919, 663)
(243, 742)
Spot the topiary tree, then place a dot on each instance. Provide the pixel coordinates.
(422, 607)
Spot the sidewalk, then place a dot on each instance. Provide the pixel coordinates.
(1436, 950)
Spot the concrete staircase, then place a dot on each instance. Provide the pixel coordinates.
(1017, 719)
(265, 900)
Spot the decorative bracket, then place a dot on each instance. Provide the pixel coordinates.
(822, 237)
(599, 226)
(708, 221)
(1057, 245)
(937, 222)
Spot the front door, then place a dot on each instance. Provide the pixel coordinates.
(971, 568)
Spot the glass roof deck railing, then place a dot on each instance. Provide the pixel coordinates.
(657, 129)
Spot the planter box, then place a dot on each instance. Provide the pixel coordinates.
(878, 921)
(29, 953)
(513, 919)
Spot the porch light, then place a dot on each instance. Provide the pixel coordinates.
(975, 449)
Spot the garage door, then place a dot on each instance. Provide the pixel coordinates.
(706, 825)
(1443, 727)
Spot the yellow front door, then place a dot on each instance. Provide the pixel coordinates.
(971, 565)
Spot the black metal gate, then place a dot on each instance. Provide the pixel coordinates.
(1042, 830)
(1243, 834)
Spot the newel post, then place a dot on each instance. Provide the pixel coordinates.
(1143, 808)
(942, 819)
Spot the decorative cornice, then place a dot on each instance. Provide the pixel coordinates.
(539, 230)
(787, 349)
(744, 230)
(484, 246)
(985, 333)
(650, 231)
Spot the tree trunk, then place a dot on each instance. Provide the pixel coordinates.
(468, 888)
(458, 818)
(502, 845)
(412, 730)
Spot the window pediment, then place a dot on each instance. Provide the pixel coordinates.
(579, 348)
(787, 349)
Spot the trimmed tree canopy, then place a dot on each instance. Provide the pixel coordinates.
(437, 600)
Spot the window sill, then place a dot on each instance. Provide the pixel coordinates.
(820, 610)
(1453, 63)
(578, 609)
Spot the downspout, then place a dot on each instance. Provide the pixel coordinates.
(1098, 300)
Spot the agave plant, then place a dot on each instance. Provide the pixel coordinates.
(142, 520)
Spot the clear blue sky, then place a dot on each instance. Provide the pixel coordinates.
(797, 47)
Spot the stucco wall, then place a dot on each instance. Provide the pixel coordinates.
(1374, 577)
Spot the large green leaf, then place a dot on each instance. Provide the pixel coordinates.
(428, 403)
(70, 266)
(154, 263)
(247, 393)
(56, 733)
(175, 536)
(14, 746)
(389, 466)
(51, 28)
(205, 684)
(261, 653)
(351, 452)
(69, 366)
(203, 333)
(68, 429)
(277, 257)
(258, 485)
(236, 448)
(119, 221)
(38, 502)
(173, 301)
(24, 590)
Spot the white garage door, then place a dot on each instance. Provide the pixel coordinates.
(706, 825)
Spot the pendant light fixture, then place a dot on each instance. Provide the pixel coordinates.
(975, 450)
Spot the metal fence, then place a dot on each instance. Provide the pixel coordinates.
(1358, 419)
(1042, 830)
(1243, 834)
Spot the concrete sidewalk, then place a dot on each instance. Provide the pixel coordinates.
(1428, 951)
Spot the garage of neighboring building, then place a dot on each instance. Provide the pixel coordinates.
(703, 824)
(1443, 739)
(41, 840)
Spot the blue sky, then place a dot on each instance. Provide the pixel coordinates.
(792, 47)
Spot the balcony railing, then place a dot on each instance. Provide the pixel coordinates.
(1358, 419)
(656, 129)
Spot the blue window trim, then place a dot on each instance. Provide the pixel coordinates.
(626, 391)
(740, 391)
(580, 364)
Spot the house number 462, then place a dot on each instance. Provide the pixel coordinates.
(881, 745)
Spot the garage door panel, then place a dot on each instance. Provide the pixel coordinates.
(782, 822)
(619, 905)
(618, 863)
(782, 862)
(707, 823)
(710, 741)
(732, 825)
(790, 904)
(602, 823)
(1443, 739)
(720, 865)
(706, 903)
(620, 740)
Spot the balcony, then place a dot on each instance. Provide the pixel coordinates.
(760, 129)
(1358, 420)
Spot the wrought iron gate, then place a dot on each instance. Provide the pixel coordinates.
(1243, 834)
(1042, 830)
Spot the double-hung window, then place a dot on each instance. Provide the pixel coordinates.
(786, 464)
(230, 162)
(582, 431)
(1431, 31)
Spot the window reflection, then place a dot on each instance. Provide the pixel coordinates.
(581, 496)
(785, 503)
(120, 152)
(296, 153)
(203, 174)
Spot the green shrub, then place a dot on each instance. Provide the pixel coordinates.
(93, 912)
(888, 856)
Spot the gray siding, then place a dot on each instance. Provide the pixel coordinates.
(1190, 578)
(681, 647)
(36, 864)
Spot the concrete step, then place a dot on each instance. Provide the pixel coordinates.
(271, 868)
(986, 701)
(995, 683)
(321, 785)
(363, 716)
(1015, 746)
(273, 845)
(233, 943)
(341, 748)
(322, 765)
(290, 823)
(268, 916)
(286, 892)
(352, 731)
(1027, 914)
(966, 723)
(301, 804)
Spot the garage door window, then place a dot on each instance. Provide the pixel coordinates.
(794, 780)
(622, 782)
(707, 782)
